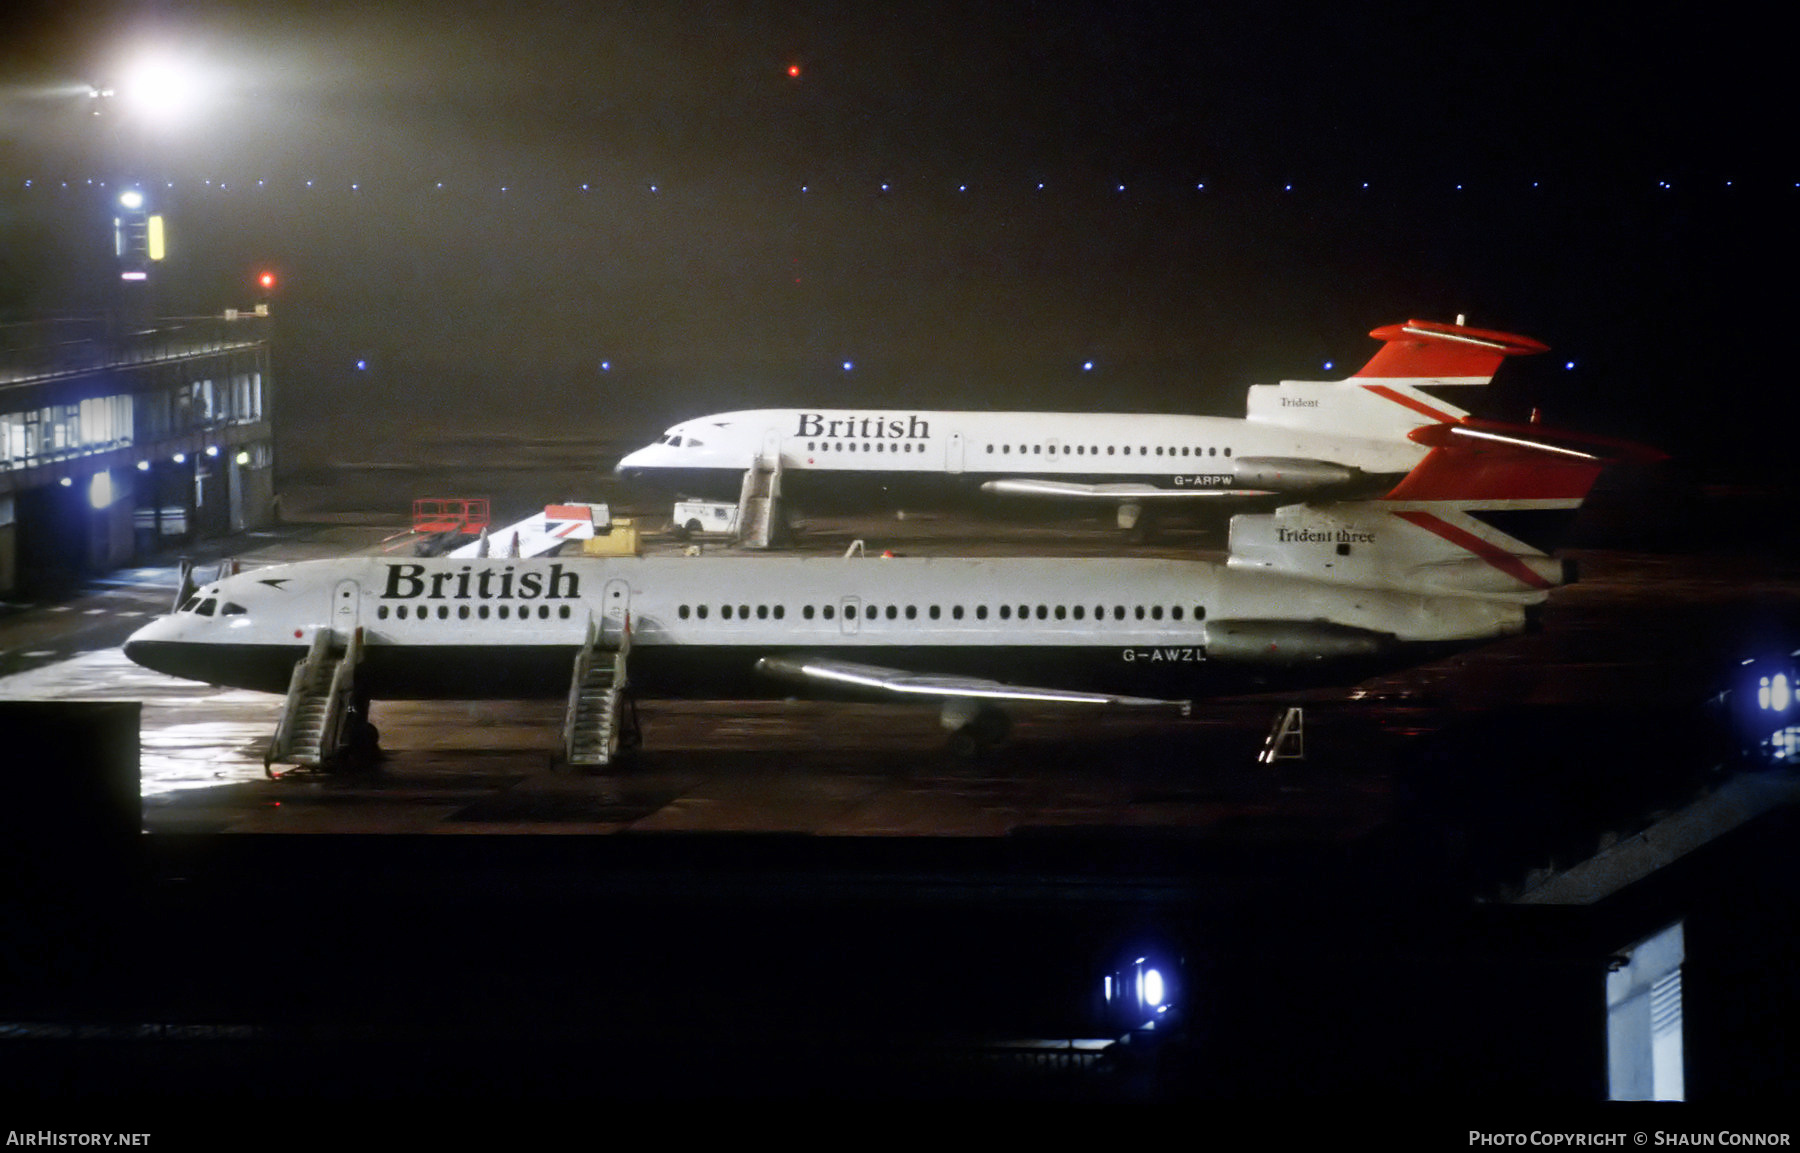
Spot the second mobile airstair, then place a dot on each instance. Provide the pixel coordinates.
(759, 502)
(601, 719)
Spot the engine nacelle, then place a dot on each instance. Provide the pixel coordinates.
(1279, 642)
(1348, 543)
(1364, 543)
(1291, 473)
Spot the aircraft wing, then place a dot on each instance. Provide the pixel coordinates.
(833, 673)
(1074, 490)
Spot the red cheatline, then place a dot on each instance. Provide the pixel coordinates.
(1493, 554)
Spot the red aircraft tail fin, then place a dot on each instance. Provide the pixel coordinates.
(1447, 353)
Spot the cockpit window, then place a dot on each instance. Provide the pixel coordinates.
(207, 607)
(189, 605)
(692, 443)
(228, 609)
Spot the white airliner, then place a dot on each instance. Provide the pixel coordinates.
(1342, 439)
(1330, 593)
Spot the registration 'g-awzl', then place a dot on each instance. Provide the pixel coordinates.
(1455, 554)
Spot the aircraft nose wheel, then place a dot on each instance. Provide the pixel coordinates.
(364, 752)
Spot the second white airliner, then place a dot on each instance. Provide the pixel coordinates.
(1299, 439)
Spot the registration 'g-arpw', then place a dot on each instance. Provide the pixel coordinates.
(1299, 439)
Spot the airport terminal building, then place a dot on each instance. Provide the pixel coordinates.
(119, 444)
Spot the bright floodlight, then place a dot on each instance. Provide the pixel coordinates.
(160, 90)
(132, 198)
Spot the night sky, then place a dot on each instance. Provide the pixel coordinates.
(610, 217)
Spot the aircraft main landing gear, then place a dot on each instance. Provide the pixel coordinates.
(362, 751)
(974, 728)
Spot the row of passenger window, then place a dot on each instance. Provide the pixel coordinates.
(1005, 612)
(464, 612)
(1024, 449)
(1111, 450)
(863, 446)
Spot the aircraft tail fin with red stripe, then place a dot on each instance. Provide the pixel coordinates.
(1444, 353)
(1479, 515)
(1400, 388)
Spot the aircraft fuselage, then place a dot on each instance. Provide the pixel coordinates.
(868, 458)
(510, 628)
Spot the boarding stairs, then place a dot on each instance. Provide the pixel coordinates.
(1287, 737)
(759, 502)
(312, 731)
(600, 719)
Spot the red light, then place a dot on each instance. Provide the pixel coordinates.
(794, 70)
(267, 280)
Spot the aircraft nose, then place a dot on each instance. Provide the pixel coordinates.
(143, 651)
(164, 646)
(142, 646)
